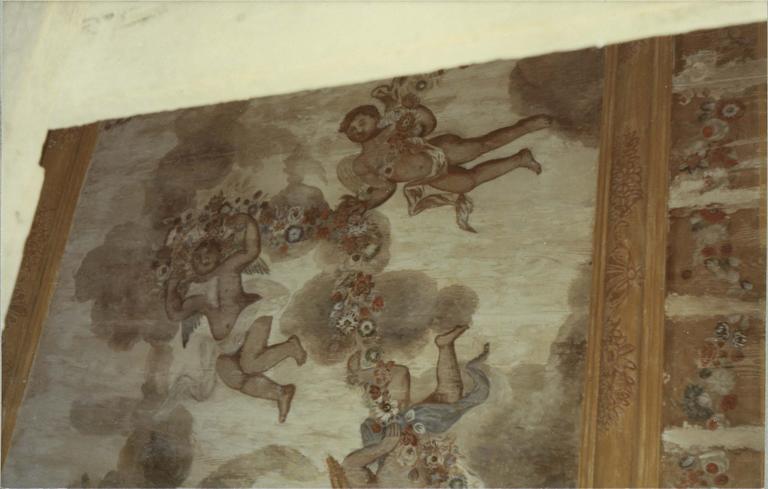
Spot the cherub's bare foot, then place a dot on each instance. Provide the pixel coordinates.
(529, 162)
(300, 354)
(446, 339)
(284, 403)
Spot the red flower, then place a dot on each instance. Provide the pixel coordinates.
(712, 214)
(374, 391)
(712, 468)
(728, 402)
(707, 354)
(721, 480)
(376, 428)
(365, 313)
(737, 355)
(337, 296)
(378, 303)
(708, 251)
(408, 437)
(713, 424)
(323, 232)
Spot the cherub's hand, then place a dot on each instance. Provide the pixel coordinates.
(393, 431)
(351, 205)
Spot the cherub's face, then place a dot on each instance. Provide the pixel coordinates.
(205, 259)
(362, 128)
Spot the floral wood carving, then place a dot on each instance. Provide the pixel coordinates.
(617, 367)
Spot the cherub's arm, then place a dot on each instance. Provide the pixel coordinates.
(178, 308)
(379, 189)
(252, 239)
(367, 455)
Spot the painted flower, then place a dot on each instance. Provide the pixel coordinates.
(295, 215)
(367, 328)
(730, 109)
(378, 303)
(728, 402)
(163, 272)
(715, 422)
(419, 428)
(721, 480)
(708, 354)
(407, 122)
(712, 215)
(721, 381)
(294, 234)
(438, 475)
(715, 129)
(722, 331)
(347, 322)
(458, 483)
(385, 411)
(407, 455)
(374, 391)
(738, 339)
(433, 459)
(373, 355)
(408, 437)
(687, 461)
(410, 101)
(696, 403)
(362, 285)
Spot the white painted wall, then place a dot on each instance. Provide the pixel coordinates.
(67, 64)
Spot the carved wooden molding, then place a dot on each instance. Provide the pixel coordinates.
(65, 158)
(621, 424)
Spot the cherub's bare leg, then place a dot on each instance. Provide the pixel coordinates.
(265, 388)
(460, 150)
(257, 357)
(449, 386)
(259, 386)
(462, 180)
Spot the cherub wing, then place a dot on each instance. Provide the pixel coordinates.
(257, 266)
(188, 326)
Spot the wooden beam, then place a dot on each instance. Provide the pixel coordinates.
(621, 422)
(66, 156)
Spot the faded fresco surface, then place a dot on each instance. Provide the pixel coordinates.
(715, 333)
(382, 285)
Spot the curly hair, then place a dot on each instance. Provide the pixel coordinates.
(369, 110)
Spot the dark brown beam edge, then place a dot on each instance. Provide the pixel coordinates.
(65, 159)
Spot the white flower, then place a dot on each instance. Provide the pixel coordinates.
(357, 229)
(295, 215)
(721, 382)
(407, 456)
(385, 411)
(715, 129)
(410, 415)
(419, 428)
(367, 328)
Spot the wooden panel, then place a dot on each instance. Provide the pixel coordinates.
(65, 159)
(621, 424)
(713, 418)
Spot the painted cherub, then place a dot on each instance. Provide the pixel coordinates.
(401, 438)
(244, 363)
(395, 149)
